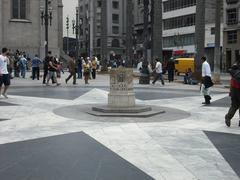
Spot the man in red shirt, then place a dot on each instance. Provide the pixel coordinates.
(235, 97)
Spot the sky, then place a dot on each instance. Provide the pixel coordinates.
(69, 9)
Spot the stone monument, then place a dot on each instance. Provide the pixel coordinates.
(121, 98)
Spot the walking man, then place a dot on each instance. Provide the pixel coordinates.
(206, 81)
(72, 70)
(158, 72)
(234, 93)
(35, 67)
(4, 76)
(23, 65)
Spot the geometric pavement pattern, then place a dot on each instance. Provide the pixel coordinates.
(35, 143)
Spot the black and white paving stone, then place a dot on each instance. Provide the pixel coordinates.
(36, 143)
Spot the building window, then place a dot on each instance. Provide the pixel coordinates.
(99, 29)
(19, 9)
(231, 1)
(99, 4)
(98, 42)
(115, 18)
(212, 30)
(172, 5)
(232, 37)
(178, 22)
(115, 43)
(179, 40)
(115, 30)
(115, 5)
(232, 16)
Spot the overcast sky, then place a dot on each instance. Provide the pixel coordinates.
(69, 9)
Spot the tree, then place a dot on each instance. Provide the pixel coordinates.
(104, 34)
(129, 34)
(217, 50)
(199, 35)
(156, 8)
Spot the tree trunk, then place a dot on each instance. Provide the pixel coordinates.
(217, 50)
(104, 35)
(199, 36)
(157, 29)
(129, 34)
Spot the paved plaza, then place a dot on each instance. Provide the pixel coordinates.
(47, 134)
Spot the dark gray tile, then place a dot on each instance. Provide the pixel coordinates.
(66, 157)
(229, 146)
(2, 103)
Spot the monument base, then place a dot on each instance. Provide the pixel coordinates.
(119, 100)
(135, 111)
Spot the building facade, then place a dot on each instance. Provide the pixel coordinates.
(21, 26)
(179, 17)
(231, 40)
(90, 12)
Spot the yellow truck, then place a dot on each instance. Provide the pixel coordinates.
(183, 64)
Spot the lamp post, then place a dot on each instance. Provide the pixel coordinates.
(67, 26)
(46, 17)
(75, 27)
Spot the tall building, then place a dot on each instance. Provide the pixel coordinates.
(21, 26)
(91, 36)
(179, 20)
(231, 42)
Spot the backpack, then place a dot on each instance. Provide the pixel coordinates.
(235, 73)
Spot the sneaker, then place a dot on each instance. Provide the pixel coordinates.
(227, 121)
(58, 84)
(5, 96)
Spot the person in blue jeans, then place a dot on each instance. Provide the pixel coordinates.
(36, 67)
(79, 67)
(23, 66)
(158, 72)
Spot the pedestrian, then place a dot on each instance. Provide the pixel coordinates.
(206, 81)
(36, 67)
(52, 69)
(4, 75)
(94, 67)
(79, 67)
(171, 69)
(158, 72)
(234, 93)
(23, 65)
(46, 65)
(86, 71)
(72, 69)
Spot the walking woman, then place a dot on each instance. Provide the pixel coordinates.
(86, 71)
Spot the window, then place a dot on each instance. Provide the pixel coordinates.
(178, 22)
(232, 37)
(179, 40)
(115, 30)
(172, 5)
(19, 8)
(232, 16)
(212, 30)
(115, 5)
(115, 43)
(98, 29)
(98, 42)
(231, 1)
(99, 4)
(115, 18)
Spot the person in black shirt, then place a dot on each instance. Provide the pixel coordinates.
(52, 69)
(45, 66)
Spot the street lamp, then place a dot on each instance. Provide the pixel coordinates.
(46, 17)
(75, 27)
(67, 26)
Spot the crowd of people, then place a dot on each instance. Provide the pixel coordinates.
(79, 68)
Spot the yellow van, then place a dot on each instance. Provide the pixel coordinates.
(182, 65)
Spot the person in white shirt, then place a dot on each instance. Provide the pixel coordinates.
(158, 72)
(4, 75)
(206, 81)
